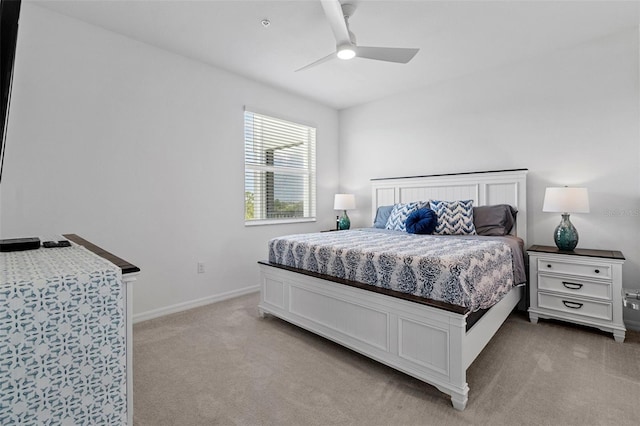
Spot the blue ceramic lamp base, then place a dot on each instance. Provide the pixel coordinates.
(344, 222)
(566, 235)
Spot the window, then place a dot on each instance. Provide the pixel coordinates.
(279, 170)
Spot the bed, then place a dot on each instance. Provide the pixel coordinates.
(427, 338)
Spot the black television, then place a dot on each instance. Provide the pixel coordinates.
(9, 16)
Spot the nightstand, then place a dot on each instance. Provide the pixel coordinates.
(581, 286)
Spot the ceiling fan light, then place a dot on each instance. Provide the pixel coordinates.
(346, 52)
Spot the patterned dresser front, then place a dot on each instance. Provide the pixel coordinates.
(63, 339)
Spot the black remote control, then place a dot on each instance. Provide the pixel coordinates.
(53, 244)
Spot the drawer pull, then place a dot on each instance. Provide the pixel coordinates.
(572, 305)
(548, 265)
(572, 286)
(597, 271)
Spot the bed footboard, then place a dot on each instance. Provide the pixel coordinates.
(425, 342)
(421, 341)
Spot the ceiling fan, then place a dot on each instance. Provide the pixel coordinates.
(346, 48)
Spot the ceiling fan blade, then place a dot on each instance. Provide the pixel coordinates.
(390, 54)
(335, 16)
(318, 62)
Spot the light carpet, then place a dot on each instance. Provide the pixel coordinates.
(222, 364)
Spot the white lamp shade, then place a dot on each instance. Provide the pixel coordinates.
(566, 200)
(344, 202)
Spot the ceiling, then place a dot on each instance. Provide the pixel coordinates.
(455, 37)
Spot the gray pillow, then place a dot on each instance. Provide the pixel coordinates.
(494, 220)
(382, 215)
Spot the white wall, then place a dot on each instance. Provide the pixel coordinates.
(570, 117)
(141, 152)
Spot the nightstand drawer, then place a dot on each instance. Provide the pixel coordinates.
(575, 286)
(600, 310)
(594, 270)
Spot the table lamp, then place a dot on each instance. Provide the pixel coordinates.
(566, 200)
(344, 202)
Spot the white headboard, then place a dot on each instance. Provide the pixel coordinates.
(484, 188)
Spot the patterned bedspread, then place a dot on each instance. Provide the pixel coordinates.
(471, 272)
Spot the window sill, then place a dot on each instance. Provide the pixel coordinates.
(278, 221)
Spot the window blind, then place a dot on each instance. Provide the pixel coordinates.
(280, 170)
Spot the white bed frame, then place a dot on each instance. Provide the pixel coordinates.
(426, 342)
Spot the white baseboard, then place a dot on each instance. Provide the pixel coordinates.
(155, 313)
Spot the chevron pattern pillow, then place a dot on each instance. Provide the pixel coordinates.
(398, 217)
(454, 217)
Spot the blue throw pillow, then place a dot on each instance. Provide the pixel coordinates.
(421, 221)
(382, 215)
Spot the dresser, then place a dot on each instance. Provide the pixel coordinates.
(582, 286)
(65, 339)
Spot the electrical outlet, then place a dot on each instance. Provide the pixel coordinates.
(200, 267)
